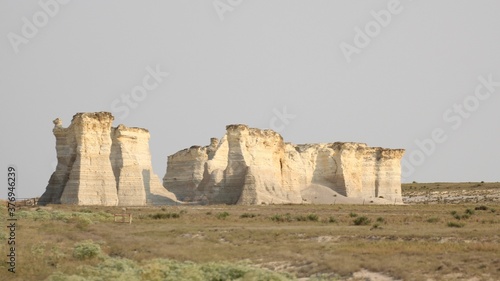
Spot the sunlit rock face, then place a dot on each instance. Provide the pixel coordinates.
(252, 166)
(102, 165)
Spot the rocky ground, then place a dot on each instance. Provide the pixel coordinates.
(451, 193)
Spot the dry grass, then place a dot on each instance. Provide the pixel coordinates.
(412, 242)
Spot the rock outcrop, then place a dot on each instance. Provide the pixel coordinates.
(102, 165)
(252, 166)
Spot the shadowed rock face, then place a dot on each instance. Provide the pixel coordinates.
(102, 165)
(252, 166)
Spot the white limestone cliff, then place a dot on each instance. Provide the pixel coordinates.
(102, 165)
(252, 166)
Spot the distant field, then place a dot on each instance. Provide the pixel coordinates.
(451, 193)
(274, 242)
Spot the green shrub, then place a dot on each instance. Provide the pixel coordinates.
(103, 216)
(466, 215)
(168, 270)
(301, 218)
(380, 219)
(84, 214)
(81, 223)
(158, 216)
(313, 217)
(481, 208)
(60, 216)
(456, 215)
(282, 218)
(433, 220)
(247, 215)
(362, 221)
(38, 215)
(324, 277)
(24, 214)
(455, 224)
(223, 215)
(332, 220)
(353, 215)
(222, 272)
(86, 250)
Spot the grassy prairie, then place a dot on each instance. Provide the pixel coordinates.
(331, 242)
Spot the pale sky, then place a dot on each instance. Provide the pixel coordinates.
(386, 73)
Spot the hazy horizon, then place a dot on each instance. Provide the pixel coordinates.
(419, 75)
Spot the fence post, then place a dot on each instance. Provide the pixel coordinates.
(123, 214)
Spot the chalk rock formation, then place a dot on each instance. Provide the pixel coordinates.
(102, 165)
(252, 166)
